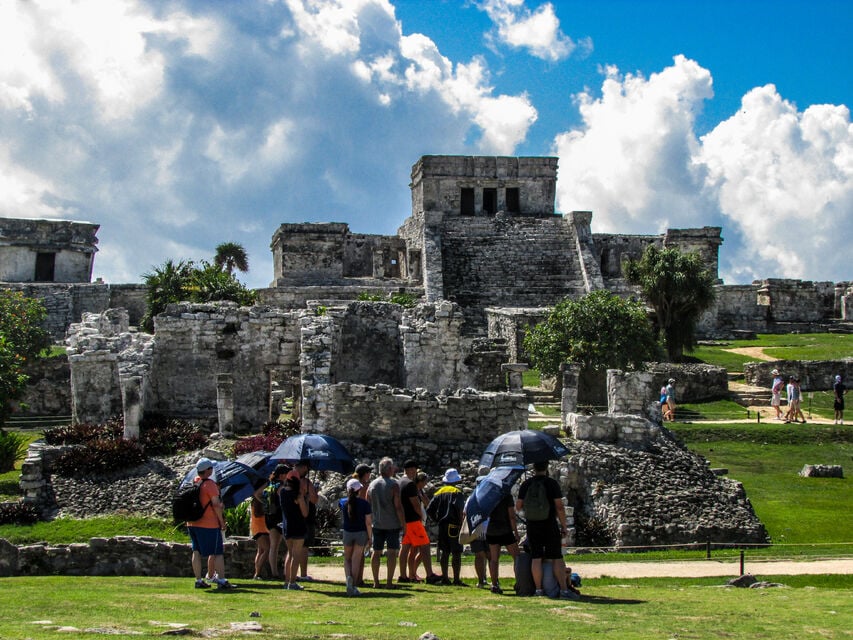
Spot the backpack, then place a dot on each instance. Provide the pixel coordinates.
(186, 503)
(536, 503)
(272, 504)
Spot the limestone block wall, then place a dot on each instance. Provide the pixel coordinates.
(48, 391)
(69, 247)
(66, 303)
(634, 393)
(434, 349)
(814, 375)
(798, 300)
(379, 420)
(370, 345)
(513, 261)
(297, 297)
(196, 342)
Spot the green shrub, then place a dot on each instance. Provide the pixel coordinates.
(100, 456)
(237, 519)
(18, 513)
(13, 447)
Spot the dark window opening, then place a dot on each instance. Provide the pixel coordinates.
(490, 201)
(45, 267)
(512, 200)
(466, 207)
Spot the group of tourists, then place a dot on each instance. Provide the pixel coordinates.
(794, 397)
(386, 516)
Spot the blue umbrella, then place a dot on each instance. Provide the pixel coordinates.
(488, 493)
(260, 461)
(235, 480)
(321, 451)
(522, 447)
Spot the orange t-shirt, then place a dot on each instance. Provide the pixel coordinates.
(209, 490)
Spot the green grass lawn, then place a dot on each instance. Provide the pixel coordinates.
(137, 607)
(794, 346)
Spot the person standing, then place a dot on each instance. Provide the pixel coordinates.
(776, 394)
(446, 509)
(838, 402)
(358, 531)
(502, 531)
(307, 487)
(542, 502)
(362, 474)
(388, 518)
(274, 516)
(207, 532)
(294, 506)
(258, 528)
(416, 546)
(670, 400)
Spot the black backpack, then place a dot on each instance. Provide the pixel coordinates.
(186, 503)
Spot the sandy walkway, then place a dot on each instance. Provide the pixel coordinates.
(752, 352)
(681, 569)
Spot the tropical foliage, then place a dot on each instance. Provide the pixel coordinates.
(598, 331)
(186, 281)
(230, 256)
(679, 288)
(22, 339)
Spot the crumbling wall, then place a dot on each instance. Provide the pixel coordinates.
(48, 390)
(413, 423)
(511, 325)
(196, 342)
(370, 346)
(814, 375)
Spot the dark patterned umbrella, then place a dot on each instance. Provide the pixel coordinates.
(488, 493)
(521, 448)
(234, 478)
(322, 452)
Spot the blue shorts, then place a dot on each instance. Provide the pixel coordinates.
(208, 542)
(383, 536)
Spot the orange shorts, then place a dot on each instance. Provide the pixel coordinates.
(416, 535)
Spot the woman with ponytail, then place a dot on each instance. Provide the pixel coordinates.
(358, 531)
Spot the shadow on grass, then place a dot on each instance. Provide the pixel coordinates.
(585, 599)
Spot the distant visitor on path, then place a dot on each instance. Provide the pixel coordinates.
(776, 394)
(357, 532)
(794, 399)
(838, 403)
(445, 509)
(258, 528)
(669, 412)
(388, 519)
(207, 532)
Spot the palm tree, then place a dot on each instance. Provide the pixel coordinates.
(230, 256)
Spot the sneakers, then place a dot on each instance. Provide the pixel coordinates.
(539, 593)
(294, 586)
(304, 579)
(433, 579)
(222, 584)
(404, 580)
(201, 584)
(496, 589)
(568, 594)
(482, 584)
(459, 583)
(445, 581)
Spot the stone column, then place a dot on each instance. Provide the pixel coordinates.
(569, 398)
(225, 402)
(514, 372)
(131, 401)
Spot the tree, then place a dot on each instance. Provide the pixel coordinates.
(679, 288)
(230, 256)
(598, 331)
(185, 281)
(22, 338)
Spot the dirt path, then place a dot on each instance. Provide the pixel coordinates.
(752, 352)
(680, 569)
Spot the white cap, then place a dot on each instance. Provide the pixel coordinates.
(354, 485)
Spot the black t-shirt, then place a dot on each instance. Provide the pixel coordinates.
(552, 490)
(409, 490)
(499, 518)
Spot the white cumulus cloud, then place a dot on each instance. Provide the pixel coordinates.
(537, 31)
(779, 181)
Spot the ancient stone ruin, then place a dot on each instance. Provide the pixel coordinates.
(484, 254)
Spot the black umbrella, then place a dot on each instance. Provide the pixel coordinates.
(522, 447)
(260, 461)
(322, 452)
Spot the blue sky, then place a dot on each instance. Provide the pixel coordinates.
(182, 124)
